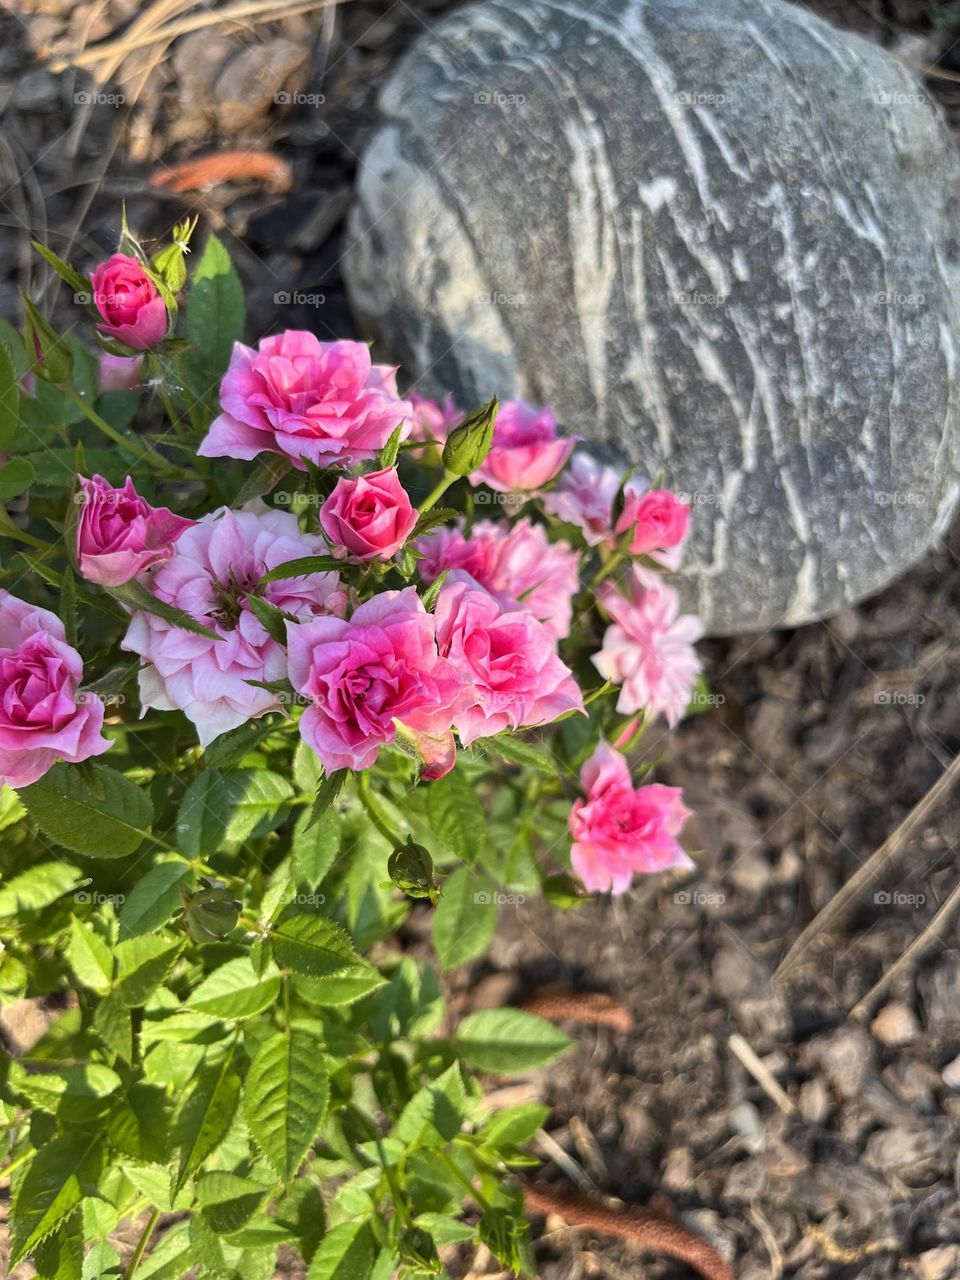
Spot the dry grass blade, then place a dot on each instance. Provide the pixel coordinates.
(112, 52)
(931, 934)
(872, 869)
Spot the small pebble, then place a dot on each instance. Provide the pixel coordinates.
(939, 1264)
(951, 1074)
(895, 1024)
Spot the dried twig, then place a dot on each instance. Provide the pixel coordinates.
(879, 862)
(629, 1222)
(761, 1073)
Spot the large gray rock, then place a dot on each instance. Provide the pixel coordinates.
(719, 236)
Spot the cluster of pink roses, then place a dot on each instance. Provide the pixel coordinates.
(483, 659)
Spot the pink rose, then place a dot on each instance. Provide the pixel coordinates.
(369, 516)
(517, 564)
(660, 523)
(508, 661)
(216, 566)
(310, 401)
(433, 420)
(366, 676)
(43, 718)
(618, 831)
(649, 649)
(119, 373)
(527, 452)
(119, 534)
(130, 306)
(584, 496)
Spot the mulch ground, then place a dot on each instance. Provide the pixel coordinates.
(822, 738)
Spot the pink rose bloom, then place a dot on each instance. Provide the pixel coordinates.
(649, 649)
(584, 495)
(527, 452)
(660, 523)
(507, 659)
(366, 676)
(310, 401)
(119, 534)
(43, 718)
(618, 831)
(215, 567)
(517, 564)
(119, 373)
(369, 516)
(130, 306)
(433, 420)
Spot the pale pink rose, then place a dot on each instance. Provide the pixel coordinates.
(527, 452)
(119, 535)
(370, 516)
(307, 400)
(130, 306)
(43, 716)
(119, 373)
(433, 420)
(618, 831)
(366, 676)
(584, 495)
(649, 648)
(660, 523)
(215, 567)
(508, 660)
(517, 564)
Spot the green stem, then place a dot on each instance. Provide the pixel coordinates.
(438, 491)
(116, 436)
(142, 1243)
(606, 569)
(15, 1164)
(462, 1178)
(369, 803)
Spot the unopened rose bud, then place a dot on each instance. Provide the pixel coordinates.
(410, 867)
(212, 912)
(468, 445)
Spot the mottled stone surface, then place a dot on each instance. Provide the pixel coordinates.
(719, 236)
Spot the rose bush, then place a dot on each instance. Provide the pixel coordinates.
(300, 656)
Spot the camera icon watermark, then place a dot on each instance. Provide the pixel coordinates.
(96, 98)
(897, 498)
(698, 298)
(898, 698)
(697, 99)
(502, 298)
(93, 898)
(495, 98)
(697, 898)
(898, 99)
(298, 298)
(494, 898)
(897, 898)
(885, 299)
(293, 98)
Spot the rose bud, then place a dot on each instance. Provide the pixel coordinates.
(129, 303)
(468, 445)
(369, 516)
(119, 534)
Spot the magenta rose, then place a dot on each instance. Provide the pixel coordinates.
(119, 534)
(618, 831)
(43, 717)
(370, 517)
(215, 568)
(130, 306)
(659, 522)
(527, 452)
(516, 563)
(367, 676)
(310, 401)
(119, 373)
(649, 648)
(508, 661)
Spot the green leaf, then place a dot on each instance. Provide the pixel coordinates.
(286, 1098)
(465, 919)
(152, 901)
(137, 597)
(89, 957)
(345, 989)
(203, 816)
(142, 964)
(77, 282)
(16, 476)
(227, 1201)
(301, 568)
(314, 848)
(60, 1256)
(328, 790)
(265, 476)
(9, 398)
(114, 1025)
(272, 619)
(37, 888)
(346, 1252)
(60, 1175)
(102, 1262)
(456, 815)
(507, 1040)
(518, 751)
(435, 1114)
(255, 796)
(172, 1258)
(514, 1125)
(389, 452)
(105, 817)
(215, 316)
(312, 945)
(235, 992)
(206, 1116)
